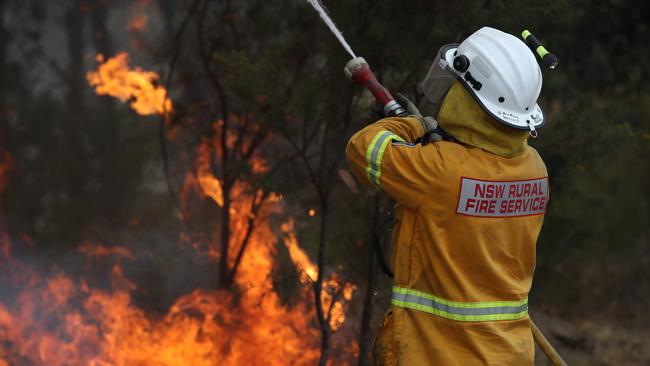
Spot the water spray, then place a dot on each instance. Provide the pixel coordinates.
(358, 70)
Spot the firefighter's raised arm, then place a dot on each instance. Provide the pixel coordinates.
(385, 155)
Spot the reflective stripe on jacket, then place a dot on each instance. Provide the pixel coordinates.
(463, 251)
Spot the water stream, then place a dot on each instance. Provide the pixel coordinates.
(320, 8)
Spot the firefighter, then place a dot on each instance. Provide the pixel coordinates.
(470, 201)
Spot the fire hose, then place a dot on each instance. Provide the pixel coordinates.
(358, 70)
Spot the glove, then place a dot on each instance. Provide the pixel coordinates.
(429, 124)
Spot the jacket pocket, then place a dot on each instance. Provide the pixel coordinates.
(404, 236)
(415, 264)
(384, 346)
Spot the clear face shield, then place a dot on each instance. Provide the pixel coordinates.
(436, 84)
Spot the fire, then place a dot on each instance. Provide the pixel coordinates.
(255, 271)
(335, 291)
(57, 320)
(114, 77)
(138, 23)
(210, 185)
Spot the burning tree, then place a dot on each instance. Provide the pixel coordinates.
(226, 148)
(249, 210)
(233, 125)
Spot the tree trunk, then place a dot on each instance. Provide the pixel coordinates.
(3, 66)
(4, 40)
(101, 34)
(74, 21)
(3, 104)
(72, 144)
(225, 235)
(113, 195)
(168, 9)
(318, 286)
(366, 316)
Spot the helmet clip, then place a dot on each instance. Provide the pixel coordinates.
(475, 83)
(533, 131)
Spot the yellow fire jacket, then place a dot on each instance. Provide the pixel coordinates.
(463, 251)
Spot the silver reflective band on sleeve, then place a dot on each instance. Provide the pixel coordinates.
(461, 311)
(375, 153)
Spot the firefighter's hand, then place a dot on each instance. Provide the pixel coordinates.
(429, 124)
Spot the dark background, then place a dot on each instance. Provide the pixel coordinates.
(77, 167)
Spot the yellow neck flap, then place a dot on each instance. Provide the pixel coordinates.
(462, 117)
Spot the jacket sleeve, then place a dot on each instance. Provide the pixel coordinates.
(384, 155)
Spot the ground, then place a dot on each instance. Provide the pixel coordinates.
(594, 343)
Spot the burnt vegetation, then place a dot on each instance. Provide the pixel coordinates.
(217, 226)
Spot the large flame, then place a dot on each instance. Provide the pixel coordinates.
(54, 319)
(335, 293)
(114, 77)
(57, 320)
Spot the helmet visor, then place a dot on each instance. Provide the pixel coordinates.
(436, 84)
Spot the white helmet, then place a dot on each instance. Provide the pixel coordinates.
(500, 72)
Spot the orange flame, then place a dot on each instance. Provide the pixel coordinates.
(43, 325)
(210, 185)
(335, 292)
(114, 77)
(58, 320)
(138, 23)
(61, 321)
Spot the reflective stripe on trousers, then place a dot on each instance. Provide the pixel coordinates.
(461, 311)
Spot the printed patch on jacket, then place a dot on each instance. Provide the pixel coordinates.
(484, 198)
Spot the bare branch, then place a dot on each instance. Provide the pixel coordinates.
(302, 154)
(163, 117)
(225, 153)
(335, 297)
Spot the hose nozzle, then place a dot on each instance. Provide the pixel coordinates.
(359, 72)
(353, 66)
